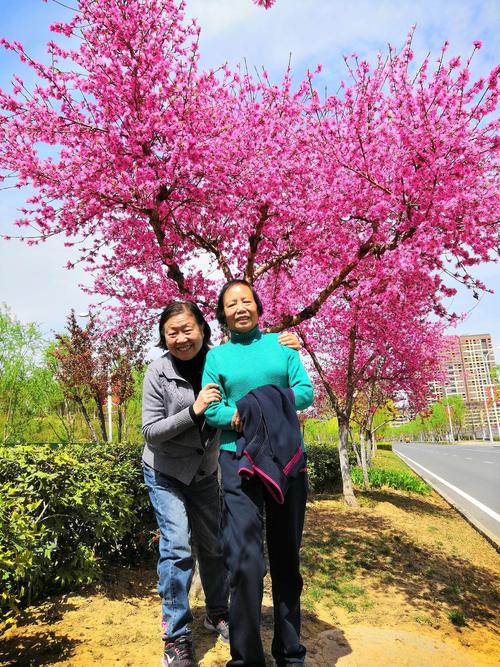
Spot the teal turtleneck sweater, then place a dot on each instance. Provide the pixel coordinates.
(250, 360)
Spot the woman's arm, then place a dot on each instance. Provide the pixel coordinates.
(218, 414)
(299, 382)
(157, 426)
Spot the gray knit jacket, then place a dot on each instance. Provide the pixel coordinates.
(173, 443)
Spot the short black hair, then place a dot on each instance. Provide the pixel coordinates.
(219, 313)
(176, 308)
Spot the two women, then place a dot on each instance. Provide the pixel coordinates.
(180, 471)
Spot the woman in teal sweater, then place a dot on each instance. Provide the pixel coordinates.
(249, 360)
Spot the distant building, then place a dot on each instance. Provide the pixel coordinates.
(469, 366)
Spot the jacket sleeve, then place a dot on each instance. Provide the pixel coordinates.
(157, 426)
(217, 414)
(299, 382)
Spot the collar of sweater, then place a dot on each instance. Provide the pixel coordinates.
(247, 336)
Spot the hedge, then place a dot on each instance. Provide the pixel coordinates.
(64, 512)
(68, 510)
(323, 467)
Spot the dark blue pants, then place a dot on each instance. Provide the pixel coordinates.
(243, 519)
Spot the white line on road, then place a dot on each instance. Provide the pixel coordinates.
(477, 503)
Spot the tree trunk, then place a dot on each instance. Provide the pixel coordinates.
(364, 466)
(356, 452)
(102, 419)
(344, 463)
(370, 447)
(120, 422)
(355, 449)
(374, 445)
(86, 416)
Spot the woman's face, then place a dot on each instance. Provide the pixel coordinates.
(240, 309)
(183, 335)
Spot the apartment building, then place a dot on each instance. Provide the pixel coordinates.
(469, 366)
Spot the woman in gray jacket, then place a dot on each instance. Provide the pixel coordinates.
(180, 471)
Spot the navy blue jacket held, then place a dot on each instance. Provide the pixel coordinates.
(271, 442)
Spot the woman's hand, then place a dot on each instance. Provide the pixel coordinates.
(289, 339)
(209, 394)
(236, 423)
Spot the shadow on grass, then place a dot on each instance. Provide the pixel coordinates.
(341, 544)
(130, 584)
(37, 650)
(414, 504)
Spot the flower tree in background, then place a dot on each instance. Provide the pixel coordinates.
(404, 372)
(377, 338)
(89, 365)
(174, 179)
(79, 371)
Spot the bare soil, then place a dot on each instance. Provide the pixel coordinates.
(383, 585)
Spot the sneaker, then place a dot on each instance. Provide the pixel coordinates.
(179, 653)
(218, 624)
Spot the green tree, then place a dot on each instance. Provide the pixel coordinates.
(454, 403)
(27, 388)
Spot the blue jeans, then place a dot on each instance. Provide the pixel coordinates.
(187, 516)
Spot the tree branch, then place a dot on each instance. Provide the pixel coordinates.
(254, 240)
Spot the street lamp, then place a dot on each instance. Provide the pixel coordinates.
(447, 407)
(109, 402)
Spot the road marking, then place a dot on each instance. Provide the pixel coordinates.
(477, 503)
(468, 458)
(489, 462)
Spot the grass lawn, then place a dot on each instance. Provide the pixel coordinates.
(387, 460)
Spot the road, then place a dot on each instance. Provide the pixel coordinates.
(466, 475)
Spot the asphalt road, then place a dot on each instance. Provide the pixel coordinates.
(467, 475)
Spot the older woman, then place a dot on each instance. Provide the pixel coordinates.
(180, 472)
(248, 361)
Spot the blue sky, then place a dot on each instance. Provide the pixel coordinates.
(33, 281)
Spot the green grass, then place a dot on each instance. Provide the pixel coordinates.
(389, 461)
(423, 619)
(395, 479)
(457, 618)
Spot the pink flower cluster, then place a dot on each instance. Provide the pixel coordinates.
(267, 4)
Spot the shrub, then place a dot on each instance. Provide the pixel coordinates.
(395, 479)
(323, 467)
(65, 512)
(387, 446)
(457, 618)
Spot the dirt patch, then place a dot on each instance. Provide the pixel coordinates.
(403, 581)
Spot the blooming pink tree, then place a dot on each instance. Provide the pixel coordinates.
(172, 179)
(373, 344)
(403, 373)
